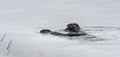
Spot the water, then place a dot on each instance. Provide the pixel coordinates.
(39, 13)
(22, 19)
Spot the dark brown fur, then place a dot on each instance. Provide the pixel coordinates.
(71, 28)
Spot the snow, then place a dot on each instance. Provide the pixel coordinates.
(21, 20)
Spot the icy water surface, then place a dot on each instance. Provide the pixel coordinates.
(38, 45)
(21, 19)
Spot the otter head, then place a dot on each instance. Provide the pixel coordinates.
(73, 27)
(45, 31)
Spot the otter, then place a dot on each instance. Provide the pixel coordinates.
(47, 31)
(73, 29)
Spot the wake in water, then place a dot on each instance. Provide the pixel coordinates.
(105, 33)
(96, 33)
